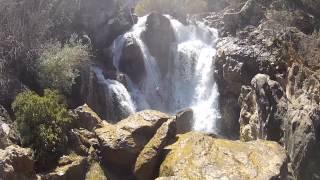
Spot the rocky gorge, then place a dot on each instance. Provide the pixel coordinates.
(230, 93)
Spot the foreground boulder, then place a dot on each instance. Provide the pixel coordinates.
(16, 163)
(69, 167)
(150, 157)
(121, 143)
(199, 156)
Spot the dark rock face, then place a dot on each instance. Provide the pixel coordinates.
(132, 60)
(159, 38)
(10, 87)
(97, 93)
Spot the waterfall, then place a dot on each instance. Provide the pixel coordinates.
(189, 81)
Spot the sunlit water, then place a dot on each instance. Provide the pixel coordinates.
(189, 81)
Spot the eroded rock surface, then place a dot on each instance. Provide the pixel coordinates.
(199, 156)
(121, 143)
(150, 157)
(16, 163)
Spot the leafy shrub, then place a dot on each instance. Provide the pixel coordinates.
(180, 7)
(42, 122)
(59, 66)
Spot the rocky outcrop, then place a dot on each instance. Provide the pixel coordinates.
(159, 45)
(264, 108)
(132, 60)
(5, 130)
(199, 156)
(83, 142)
(150, 157)
(184, 121)
(69, 167)
(121, 143)
(87, 118)
(16, 163)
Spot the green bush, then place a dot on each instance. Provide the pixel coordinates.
(42, 122)
(59, 66)
(180, 7)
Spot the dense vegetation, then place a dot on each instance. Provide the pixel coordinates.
(59, 66)
(43, 122)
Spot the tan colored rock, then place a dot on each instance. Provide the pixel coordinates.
(69, 167)
(16, 163)
(199, 156)
(121, 143)
(150, 157)
(88, 119)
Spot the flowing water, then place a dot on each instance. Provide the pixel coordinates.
(189, 81)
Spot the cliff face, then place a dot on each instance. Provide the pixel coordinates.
(268, 62)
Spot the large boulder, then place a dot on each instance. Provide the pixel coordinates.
(150, 157)
(159, 45)
(69, 167)
(121, 143)
(16, 163)
(199, 156)
(132, 60)
(87, 118)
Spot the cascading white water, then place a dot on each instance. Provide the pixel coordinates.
(189, 82)
(116, 95)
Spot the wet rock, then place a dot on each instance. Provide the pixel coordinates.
(150, 157)
(87, 118)
(199, 156)
(184, 121)
(69, 167)
(159, 46)
(121, 143)
(132, 60)
(16, 163)
(99, 91)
